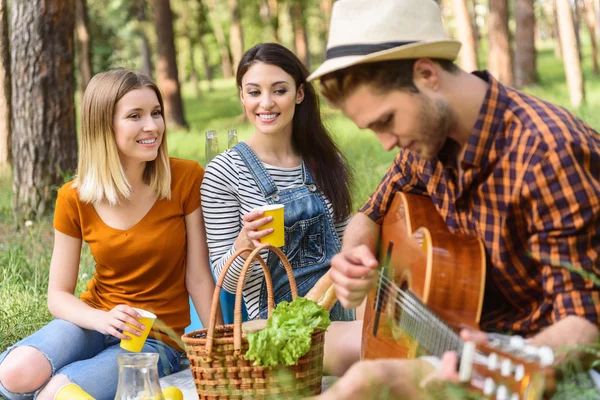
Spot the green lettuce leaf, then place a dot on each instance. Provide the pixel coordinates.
(287, 336)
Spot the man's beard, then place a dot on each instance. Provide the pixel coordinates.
(437, 120)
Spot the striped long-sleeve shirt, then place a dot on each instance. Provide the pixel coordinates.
(530, 189)
(229, 192)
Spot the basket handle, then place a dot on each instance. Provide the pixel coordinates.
(217, 292)
(254, 255)
(237, 313)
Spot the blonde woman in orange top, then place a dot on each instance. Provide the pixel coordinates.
(139, 212)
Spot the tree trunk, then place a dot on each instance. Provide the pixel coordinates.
(221, 40)
(236, 34)
(326, 8)
(475, 27)
(286, 29)
(525, 54)
(5, 90)
(597, 7)
(192, 32)
(168, 77)
(570, 53)
(146, 53)
(84, 44)
(557, 42)
(274, 13)
(499, 57)
(206, 63)
(203, 28)
(576, 24)
(300, 35)
(590, 20)
(43, 119)
(264, 13)
(468, 54)
(269, 16)
(193, 71)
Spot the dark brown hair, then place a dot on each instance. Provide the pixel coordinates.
(384, 76)
(310, 138)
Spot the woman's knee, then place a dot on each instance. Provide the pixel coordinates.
(49, 391)
(342, 346)
(25, 369)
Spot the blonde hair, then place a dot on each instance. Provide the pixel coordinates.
(100, 175)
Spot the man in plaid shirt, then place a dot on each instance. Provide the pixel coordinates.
(521, 174)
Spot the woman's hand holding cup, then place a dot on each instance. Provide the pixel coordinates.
(250, 234)
(120, 320)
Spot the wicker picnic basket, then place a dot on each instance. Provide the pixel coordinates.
(216, 353)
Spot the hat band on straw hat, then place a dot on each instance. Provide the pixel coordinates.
(362, 49)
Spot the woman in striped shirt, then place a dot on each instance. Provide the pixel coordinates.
(291, 160)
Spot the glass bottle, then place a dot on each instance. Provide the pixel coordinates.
(211, 148)
(232, 138)
(138, 377)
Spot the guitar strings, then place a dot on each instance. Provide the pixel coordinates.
(456, 343)
(435, 340)
(413, 305)
(424, 318)
(409, 303)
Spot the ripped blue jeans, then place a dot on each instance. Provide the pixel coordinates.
(88, 358)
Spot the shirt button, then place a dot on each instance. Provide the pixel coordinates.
(312, 188)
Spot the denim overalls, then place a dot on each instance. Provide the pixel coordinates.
(310, 237)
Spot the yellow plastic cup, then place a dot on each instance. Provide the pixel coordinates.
(72, 391)
(277, 237)
(136, 343)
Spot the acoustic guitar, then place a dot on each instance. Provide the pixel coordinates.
(431, 284)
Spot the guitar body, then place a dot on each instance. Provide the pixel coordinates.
(446, 272)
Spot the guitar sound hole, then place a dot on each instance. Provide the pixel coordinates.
(404, 286)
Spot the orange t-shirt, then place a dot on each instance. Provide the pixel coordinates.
(143, 266)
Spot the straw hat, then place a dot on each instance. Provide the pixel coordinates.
(363, 31)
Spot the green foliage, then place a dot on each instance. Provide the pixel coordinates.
(114, 34)
(116, 40)
(190, 22)
(574, 381)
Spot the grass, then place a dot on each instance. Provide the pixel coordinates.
(24, 261)
(25, 251)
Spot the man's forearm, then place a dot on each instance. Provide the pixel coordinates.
(361, 230)
(566, 333)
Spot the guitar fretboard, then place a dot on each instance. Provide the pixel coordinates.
(431, 332)
(419, 322)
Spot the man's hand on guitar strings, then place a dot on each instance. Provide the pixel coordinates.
(354, 274)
